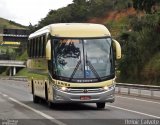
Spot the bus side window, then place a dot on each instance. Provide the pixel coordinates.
(28, 47)
(33, 49)
(44, 41)
(38, 48)
(41, 46)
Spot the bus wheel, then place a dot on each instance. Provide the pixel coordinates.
(50, 104)
(35, 99)
(100, 105)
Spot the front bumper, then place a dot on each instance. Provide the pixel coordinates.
(60, 96)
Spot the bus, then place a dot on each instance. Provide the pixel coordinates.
(73, 63)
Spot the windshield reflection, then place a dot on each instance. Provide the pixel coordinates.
(83, 58)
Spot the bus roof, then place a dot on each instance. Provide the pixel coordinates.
(70, 30)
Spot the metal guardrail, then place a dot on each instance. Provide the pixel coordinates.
(139, 90)
(16, 78)
(121, 88)
(12, 63)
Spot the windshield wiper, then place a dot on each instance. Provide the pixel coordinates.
(75, 70)
(92, 68)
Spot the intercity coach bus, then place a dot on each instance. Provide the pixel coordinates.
(73, 63)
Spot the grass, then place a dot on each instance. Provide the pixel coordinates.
(23, 57)
(30, 75)
(154, 63)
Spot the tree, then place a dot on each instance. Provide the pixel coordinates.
(145, 5)
(79, 10)
(139, 47)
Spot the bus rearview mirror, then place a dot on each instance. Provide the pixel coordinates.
(48, 50)
(118, 49)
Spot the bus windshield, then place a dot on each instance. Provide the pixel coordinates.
(83, 60)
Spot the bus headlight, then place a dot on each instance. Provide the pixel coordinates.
(63, 88)
(105, 88)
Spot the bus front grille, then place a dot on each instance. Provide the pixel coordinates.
(96, 90)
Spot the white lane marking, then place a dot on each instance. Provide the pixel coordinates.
(138, 99)
(128, 110)
(5, 95)
(38, 112)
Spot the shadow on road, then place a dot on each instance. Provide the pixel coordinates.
(65, 106)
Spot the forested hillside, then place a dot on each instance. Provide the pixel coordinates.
(83, 10)
(136, 24)
(141, 45)
(4, 23)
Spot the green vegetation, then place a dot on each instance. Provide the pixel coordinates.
(6, 50)
(145, 5)
(141, 47)
(27, 73)
(116, 27)
(10, 24)
(151, 71)
(23, 56)
(81, 11)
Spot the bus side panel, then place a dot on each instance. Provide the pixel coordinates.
(39, 88)
(38, 68)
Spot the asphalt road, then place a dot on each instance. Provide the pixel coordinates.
(16, 107)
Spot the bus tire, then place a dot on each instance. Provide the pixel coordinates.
(100, 105)
(46, 92)
(32, 87)
(50, 104)
(35, 99)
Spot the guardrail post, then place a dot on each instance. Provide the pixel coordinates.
(14, 71)
(119, 89)
(152, 93)
(10, 71)
(139, 92)
(129, 91)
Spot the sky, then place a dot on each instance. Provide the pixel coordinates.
(29, 11)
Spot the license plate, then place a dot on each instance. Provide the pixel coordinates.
(85, 98)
